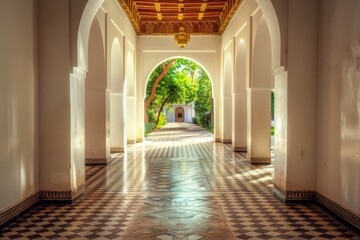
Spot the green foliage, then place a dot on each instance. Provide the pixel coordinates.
(162, 121)
(148, 128)
(203, 108)
(151, 114)
(272, 104)
(210, 128)
(272, 131)
(185, 82)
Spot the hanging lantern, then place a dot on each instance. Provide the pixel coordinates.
(182, 38)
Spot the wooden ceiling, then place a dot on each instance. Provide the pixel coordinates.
(165, 17)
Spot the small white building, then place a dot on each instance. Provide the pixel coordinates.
(180, 112)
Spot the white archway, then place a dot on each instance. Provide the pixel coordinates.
(181, 57)
(280, 78)
(272, 21)
(259, 98)
(87, 18)
(77, 95)
(96, 139)
(177, 56)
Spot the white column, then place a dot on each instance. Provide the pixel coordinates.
(281, 128)
(239, 123)
(227, 120)
(95, 126)
(117, 123)
(131, 119)
(259, 125)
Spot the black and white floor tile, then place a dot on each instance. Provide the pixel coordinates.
(179, 185)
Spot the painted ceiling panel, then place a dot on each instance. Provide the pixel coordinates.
(164, 17)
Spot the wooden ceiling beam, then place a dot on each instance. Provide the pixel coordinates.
(196, 2)
(167, 20)
(176, 7)
(185, 18)
(181, 22)
(175, 13)
(217, 13)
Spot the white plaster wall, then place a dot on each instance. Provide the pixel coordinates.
(188, 112)
(54, 62)
(261, 65)
(338, 128)
(170, 115)
(18, 101)
(242, 16)
(118, 16)
(152, 50)
(301, 95)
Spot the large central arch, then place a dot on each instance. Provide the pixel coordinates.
(156, 64)
(173, 57)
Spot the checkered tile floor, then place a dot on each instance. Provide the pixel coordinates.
(179, 185)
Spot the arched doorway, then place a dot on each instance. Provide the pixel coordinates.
(259, 97)
(179, 114)
(151, 63)
(178, 90)
(95, 100)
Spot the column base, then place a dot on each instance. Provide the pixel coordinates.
(260, 160)
(96, 161)
(62, 196)
(291, 197)
(116, 150)
(239, 149)
(226, 141)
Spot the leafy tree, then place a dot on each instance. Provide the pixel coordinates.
(203, 102)
(184, 82)
(156, 76)
(175, 87)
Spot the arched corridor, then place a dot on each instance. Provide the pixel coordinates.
(73, 84)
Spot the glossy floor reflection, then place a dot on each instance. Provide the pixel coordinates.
(179, 185)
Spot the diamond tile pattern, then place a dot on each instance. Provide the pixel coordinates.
(179, 185)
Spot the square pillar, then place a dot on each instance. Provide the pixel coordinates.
(259, 125)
